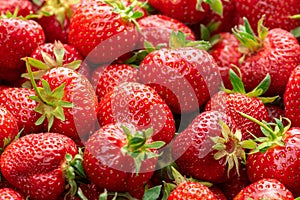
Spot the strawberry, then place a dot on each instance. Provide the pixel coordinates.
(208, 150)
(24, 7)
(36, 164)
(276, 52)
(237, 100)
(266, 188)
(10, 194)
(218, 193)
(67, 102)
(8, 127)
(105, 78)
(13, 32)
(226, 53)
(275, 112)
(55, 19)
(278, 13)
(184, 75)
(157, 29)
(191, 11)
(17, 101)
(103, 30)
(140, 105)
(276, 154)
(291, 97)
(133, 152)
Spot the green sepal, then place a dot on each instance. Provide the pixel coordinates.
(237, 83)
(81, 195)
(152, 193)
(216, 6)
(297, 16)
(37, 2)
(296, 32)
(103, 195)
(168, 188)
(261, 88)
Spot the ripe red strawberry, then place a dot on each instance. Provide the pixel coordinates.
(275, 112)
(13, 33)
(157, 29)
(8, 127)
(218, 193)
(277, 12)
(185, 77)
(276, 52)
(139, 105)
(103, 31)
(10, 194)
(25, 7)
(226, 53)
(105, 78)
(36, 164)
(237, 100)
(196, 150)
(291, 98)
(123, 159)
(67, 102)
(55, 19)
(18, 103)
(265, 189)
(276, 155)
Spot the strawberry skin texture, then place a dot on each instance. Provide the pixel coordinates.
(34, 164)
(25, 7)
(105, 78)
(291, 98)
(157, 29)
(8, 126)
(185, 78)
(277, 12)
(140, 105)
(193, 152)
(18, 39)
(268, 188)
(80, 119)
(192, 190)
(10, 194)
(17, 102)
(100, 34)
(279, 55)
(184, 11)
(231, 104)
(226, 54)
(107, 167)
(281, 163)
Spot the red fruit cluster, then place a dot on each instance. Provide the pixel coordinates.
(148, 100)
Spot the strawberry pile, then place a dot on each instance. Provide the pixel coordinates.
(149, 99)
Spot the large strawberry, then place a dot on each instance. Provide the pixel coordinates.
(276, 52)
(184, 75)
(67, 102)
(267, 188)
(18, 38)
(103, 30)
(8, 127)
(276, 154)
(278, 13)
(10, 194)
(237, 100)
(17, 101)
(139, 105)
(37, 164)
(123, 159)
(291, 98)
(208, 149)
(25, 7)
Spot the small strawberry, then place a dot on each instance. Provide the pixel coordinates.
(103, 30)
(276, 52)
(124, 158)
(276, 154)
(105, 78)
(8, 127)
(24, 7)
(10, 194)
(266, 188)
(208, 150)
(139, 105)
(184, 75)
(17, 101)
(39, 164)
(18, 38)
(278, 14)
